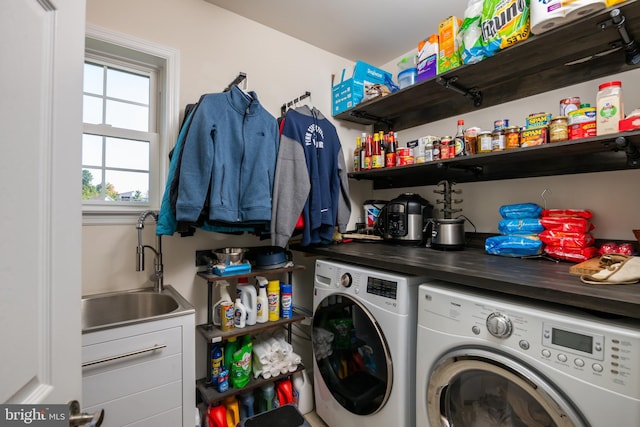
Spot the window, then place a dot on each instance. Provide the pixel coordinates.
(130, 118)
(119, 131)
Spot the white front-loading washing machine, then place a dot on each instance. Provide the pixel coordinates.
(498, 361)
(364, 327)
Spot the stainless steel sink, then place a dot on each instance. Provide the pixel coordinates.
(121, 308)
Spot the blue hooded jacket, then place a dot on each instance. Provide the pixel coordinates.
(228, 160)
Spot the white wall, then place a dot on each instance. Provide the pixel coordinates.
(215, 45)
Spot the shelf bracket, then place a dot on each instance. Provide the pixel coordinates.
(632, 152)
(631, 48)
(375, 119)
(450, 83)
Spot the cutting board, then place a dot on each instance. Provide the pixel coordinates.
(589, 266)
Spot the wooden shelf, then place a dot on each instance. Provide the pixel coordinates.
(534, 66)
(597, 154)
(214, 334)
(210, 395)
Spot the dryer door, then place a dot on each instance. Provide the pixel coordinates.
(351, 354)
(474, 387)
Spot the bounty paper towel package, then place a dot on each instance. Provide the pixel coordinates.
(504, 23)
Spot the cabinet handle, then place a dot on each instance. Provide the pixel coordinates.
(123, 355)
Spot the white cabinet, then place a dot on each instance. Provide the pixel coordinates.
(141, 375)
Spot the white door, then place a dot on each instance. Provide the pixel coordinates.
(42, 50)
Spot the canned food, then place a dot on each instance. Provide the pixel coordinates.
(501, 124)
(582, 115)
(427, 146)
(582, 130)
(497, 140)
(405, 156)
(485, 142)
(447, 149)
(538, 120)
(568, 105)
(558, 129)
(512, 137)
(534, 136)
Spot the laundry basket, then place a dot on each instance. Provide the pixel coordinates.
(283, 416)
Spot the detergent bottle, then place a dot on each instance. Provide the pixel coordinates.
(233, 413)
(223, 286)
(262, 303)
(246, 401)
(304, 391)
(249, 299)
(230, 347)
(267, 394)
(217, 416)
(241, 314)
(216, 362)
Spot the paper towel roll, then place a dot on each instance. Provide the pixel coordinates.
(546, 15)
(575, 9)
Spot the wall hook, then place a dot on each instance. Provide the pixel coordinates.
(546, 190)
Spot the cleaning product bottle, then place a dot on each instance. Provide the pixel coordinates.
(216, 362)
(249, 298)
(223, 286)
(262, 301)
(223, 380)
(241, 314)
(246, 401)
(304, 390)
(217, 416)
(230, 347)
(241, 368)
(267, 393)
(286, 301)
(273, 297)
(233, 413)
(284, 392)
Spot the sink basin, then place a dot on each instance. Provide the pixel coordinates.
(119, 308)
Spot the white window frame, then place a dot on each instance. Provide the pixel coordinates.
(104, 43)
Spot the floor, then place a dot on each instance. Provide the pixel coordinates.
(314, 420)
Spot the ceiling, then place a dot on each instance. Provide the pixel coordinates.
(375, 31)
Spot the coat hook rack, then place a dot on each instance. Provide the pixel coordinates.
(472, 93)
(286, 105)
(239, 79)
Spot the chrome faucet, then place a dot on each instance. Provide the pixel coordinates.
(158, 275)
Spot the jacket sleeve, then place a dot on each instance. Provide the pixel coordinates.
(195, 167)
(344, 202)
(291, 188)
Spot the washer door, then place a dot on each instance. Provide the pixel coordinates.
(473, 387)
(352, 354)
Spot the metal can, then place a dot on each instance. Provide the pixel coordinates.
(501, 124)
(485, 142)
(512, 137)
(405, 156)
(558, 129)
(497, 140)
(447, 149)
(568, 105)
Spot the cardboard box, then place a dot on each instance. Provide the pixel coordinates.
(350, 89)
(448, 57)
(428, 58)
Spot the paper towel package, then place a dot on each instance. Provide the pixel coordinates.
(575, 9)
(546, 15)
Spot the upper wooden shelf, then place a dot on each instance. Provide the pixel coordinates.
(534, 66)
(597, 154)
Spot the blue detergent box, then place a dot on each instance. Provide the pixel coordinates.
(350, 89)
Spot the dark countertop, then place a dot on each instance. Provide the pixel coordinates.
(538, 278)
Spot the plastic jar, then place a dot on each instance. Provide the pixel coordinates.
(610, 107)
(559, 129)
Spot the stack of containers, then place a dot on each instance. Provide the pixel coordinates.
(519, 228)
(566, 234)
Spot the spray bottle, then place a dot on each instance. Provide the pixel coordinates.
(249, 299)
(223, 286)
(262, 303)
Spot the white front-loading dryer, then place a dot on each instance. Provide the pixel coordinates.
(364, 327)
(486, 360)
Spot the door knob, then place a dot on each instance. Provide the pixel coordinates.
(83, 419)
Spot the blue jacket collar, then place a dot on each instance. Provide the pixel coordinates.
(242, 102)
